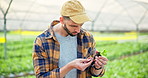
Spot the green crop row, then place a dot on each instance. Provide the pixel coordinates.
(122, 49)
(16, 65)
(131, 67)
(20, 49)
(105, 43)
(20, 60)
(17, 48)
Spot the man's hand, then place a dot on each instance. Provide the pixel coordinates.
(100, 61)
(81, 64)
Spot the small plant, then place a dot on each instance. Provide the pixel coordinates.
(104, 53)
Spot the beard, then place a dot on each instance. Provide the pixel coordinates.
(66, 29)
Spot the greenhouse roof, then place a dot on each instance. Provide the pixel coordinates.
(120, 15)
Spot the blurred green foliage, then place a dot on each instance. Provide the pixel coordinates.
(20, 58)
(130, 67)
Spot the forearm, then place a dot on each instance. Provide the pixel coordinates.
(65, 69)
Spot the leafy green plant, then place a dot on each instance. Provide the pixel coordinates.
(104, 53)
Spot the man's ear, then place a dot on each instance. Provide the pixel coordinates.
(61, 20)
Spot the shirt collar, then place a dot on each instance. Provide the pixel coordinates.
(50, 34)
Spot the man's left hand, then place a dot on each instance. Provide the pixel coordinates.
(100, 61)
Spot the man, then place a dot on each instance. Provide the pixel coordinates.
(65, 49)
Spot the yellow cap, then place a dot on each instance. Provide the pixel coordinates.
(75, 11)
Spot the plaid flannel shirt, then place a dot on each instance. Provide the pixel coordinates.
(47, 52)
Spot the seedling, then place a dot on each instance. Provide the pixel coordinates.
(103, 53)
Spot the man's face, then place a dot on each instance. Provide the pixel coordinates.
(73, 28)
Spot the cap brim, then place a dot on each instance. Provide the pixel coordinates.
(79, 19)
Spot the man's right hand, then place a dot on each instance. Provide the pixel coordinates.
(81, 64)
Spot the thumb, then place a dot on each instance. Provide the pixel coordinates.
(88, 63)
(87, 60)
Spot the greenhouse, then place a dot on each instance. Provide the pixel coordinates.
(118, 26)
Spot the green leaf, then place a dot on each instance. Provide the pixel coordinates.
(104, 53)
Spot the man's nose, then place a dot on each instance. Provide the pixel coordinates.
(77, 30)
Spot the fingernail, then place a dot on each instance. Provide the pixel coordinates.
(89, 60)
(96, 57)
